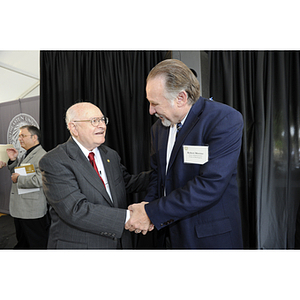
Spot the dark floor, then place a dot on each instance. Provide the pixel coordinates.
(7, 232)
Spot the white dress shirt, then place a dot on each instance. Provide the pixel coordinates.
(171, 140)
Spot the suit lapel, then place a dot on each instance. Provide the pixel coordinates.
(108, 170)
(86, 168)
(30, 156)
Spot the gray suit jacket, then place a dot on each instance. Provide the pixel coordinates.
(82, 214)
(32, 205)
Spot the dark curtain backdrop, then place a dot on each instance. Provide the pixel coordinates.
(265, 87)
(114, 81)
(262, 85)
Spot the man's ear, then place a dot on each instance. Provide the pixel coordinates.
(35, 137)
(72, 129)
(182, 99)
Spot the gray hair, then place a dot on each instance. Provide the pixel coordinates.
(178, 77)
(71, 115)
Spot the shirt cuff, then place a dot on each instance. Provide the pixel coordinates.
(127, 216)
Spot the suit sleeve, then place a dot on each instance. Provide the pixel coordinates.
(206, 188)
(153, 187)
(12, 165)
(64, 192)
(135, 183)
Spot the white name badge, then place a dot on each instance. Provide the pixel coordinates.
(195, 154)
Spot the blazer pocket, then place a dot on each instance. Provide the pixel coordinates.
(31, 196)
(213, 228)
(70, 245)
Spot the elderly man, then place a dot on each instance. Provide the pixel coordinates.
(86, 184)
(193, 195)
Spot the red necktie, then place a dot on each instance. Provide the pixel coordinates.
(93, 163)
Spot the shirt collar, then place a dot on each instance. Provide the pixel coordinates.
(83, 149)
(182, 122)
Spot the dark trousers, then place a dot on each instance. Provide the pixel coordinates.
(32, 233)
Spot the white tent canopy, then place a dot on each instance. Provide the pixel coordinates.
(19, 75)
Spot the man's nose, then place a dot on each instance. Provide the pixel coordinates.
(151, 110)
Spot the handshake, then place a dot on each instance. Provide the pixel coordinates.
(139, 222)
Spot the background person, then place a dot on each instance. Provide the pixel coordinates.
(30, 209)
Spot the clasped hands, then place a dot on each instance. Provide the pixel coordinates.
(139, 222)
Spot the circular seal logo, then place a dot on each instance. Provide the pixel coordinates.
(14, 129)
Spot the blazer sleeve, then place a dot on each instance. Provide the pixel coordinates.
(207, 187)
(153, 192)
(135, 183)
(12, 165)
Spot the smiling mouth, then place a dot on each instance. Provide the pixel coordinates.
(99, 133)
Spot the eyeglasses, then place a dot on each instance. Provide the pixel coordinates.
(24, 135)
(95, 121)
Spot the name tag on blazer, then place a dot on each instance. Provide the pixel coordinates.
(195, 154)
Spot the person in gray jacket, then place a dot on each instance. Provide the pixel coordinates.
(28, 205)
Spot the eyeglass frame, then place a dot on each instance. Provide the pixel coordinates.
(24, 135)
(98, 120)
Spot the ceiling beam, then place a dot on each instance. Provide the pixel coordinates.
(17, 71)
(23, 95)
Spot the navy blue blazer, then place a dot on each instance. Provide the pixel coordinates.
(201, 206)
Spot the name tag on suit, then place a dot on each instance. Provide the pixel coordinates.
(195, 154)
